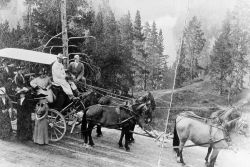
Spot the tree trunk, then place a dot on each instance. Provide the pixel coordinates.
(64, 30)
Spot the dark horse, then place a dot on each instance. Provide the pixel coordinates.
(114, 117)
(109, 100)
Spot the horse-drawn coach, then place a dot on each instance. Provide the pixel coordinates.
(64, 113)
(30, 62)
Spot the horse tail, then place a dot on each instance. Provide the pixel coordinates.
(176, 140)
(84, 124)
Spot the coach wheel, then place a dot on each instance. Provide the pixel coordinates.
(57, 125)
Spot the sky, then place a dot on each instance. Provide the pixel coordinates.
(169, 15)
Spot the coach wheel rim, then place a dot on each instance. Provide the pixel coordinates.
(56, 125)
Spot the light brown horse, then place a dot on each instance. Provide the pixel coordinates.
(114, 117)
(191, 127)
(220, 117)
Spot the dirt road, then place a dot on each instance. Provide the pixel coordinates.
(72, 152)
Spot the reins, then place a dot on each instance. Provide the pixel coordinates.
(194, 145)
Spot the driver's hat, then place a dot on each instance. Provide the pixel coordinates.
(76, 57)
(60, 56)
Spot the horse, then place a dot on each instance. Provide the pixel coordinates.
(109, 100)
(189, 126)
(113, 117)
(219, 117)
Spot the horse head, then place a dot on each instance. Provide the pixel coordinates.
(242, 125)
(149, 100)
(239, 125)
(143, 113)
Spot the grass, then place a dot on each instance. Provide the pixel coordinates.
(198, 97)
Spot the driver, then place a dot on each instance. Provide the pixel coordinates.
(59, 76)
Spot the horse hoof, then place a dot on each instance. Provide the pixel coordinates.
(127, 149)
(131, 141)
(91, 144)
(120, 145)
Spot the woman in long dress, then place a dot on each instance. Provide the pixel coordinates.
(25, 107)
(5, 122)
(40, 135)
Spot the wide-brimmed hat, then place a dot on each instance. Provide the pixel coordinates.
(4, 61)
(22, 91)
(2, 91)
(76, 57)
(60, 56)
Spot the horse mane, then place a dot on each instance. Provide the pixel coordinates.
(152, 100)
(230, 125)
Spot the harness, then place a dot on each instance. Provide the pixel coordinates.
(120, 123)
(209, 122)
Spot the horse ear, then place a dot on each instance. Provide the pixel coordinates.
(140, 106)
(230, 124)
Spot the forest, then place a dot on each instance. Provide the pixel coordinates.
(130, 53)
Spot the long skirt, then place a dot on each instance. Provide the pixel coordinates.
(5, 126)
(40, 135)
(24, 125)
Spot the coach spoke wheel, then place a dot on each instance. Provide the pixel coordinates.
(57, 125)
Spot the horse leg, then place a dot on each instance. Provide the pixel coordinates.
(121, 137)
(213, 157)
(127, 137)
(84, 132)
(182, 143)
(208, 153)
(131, 138)
(98, 131)
(90, 128)
(176, 142)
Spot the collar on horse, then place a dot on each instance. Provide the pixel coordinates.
(132, 113)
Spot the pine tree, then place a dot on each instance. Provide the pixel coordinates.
(182, 71)
(5, 38)
(138, 51)
(194, 41)
(126, 51)
(146, 52)
(222, 64)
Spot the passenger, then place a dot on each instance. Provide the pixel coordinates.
(76, 69)
(5, 122)
(59, 77)
(40, 135)
(24, 110)
(19, 78)
(42, 84)
(7, 72)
